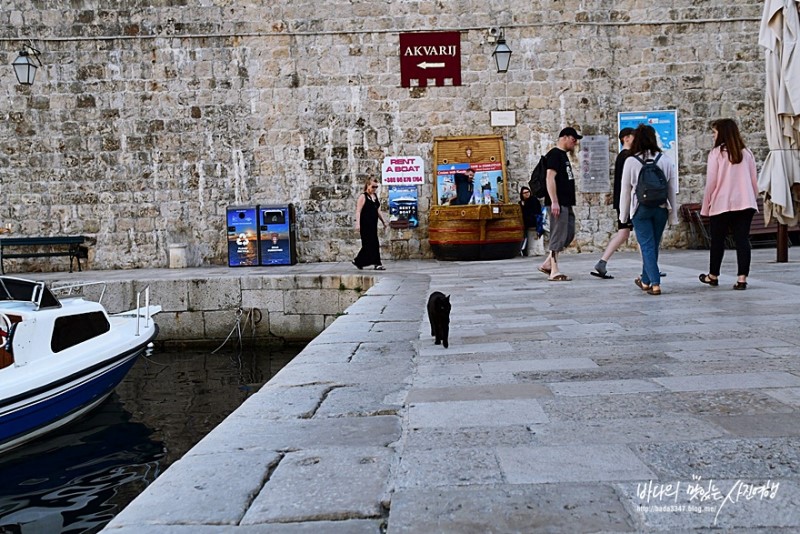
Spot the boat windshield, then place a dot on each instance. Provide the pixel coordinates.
(29, 291)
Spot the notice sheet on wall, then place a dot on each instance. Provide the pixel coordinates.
(594, 162)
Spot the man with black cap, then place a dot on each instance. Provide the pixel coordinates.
(560, 199)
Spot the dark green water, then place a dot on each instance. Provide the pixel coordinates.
(77, 479)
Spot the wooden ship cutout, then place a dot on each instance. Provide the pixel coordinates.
(472, 217)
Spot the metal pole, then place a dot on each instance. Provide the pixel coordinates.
(783, 244)
(138, 307)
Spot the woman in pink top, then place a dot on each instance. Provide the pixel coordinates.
(729, 199)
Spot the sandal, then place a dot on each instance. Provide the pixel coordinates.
(706, 279)
(380, 268)
(643, 287)
(654, 291)
(545, 271)
(357, 265)
(740, 285)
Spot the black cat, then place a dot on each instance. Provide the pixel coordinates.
(439, 315)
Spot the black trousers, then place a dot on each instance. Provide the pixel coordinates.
(739, 222)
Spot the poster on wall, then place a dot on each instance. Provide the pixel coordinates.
(403, 204)
(595, 177)
(459, 184)
(665, 123)
(403, 170)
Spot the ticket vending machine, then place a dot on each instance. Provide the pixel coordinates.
(277, 235)
(242, 224)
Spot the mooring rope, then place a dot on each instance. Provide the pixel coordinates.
(237, 327)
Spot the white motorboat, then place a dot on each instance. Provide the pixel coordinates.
(61, 357)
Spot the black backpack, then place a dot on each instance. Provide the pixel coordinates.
(652, 188)
(538, 181)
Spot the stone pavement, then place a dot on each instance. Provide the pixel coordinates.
(586, 406)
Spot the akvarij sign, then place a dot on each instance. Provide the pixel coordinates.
(403, 170)
(430, 57)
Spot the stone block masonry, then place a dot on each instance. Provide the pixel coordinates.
(559, 408)
(269, 307)
(146, 122)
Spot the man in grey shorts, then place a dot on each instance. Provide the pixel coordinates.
(560, 199)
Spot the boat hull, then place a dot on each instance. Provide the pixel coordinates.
(475, 232)
(54, 405)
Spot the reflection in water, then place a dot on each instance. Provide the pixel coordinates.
(81, 476)
(77, 479)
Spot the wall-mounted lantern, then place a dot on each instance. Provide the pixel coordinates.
(24, 66)
(502, 54)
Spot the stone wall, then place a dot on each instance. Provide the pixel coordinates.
(148, 119)
(275, 308)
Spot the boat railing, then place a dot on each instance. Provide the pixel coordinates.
(146, 292)
(75, 288)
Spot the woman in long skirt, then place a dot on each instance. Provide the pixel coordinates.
(368, 212)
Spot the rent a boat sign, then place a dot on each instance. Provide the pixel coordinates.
(403, 170)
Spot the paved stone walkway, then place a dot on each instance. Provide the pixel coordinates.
(586, 406)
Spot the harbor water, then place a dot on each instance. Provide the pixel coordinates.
(77, 479)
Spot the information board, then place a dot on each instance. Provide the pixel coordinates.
(665, 123)
(595, 176)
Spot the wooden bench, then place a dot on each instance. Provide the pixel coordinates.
(699, 227)
(757, 228)
(57, 246)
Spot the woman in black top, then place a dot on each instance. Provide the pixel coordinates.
(368, 212)
(531, 219)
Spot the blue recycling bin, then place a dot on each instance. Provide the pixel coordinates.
(242, 225)
(277, 234)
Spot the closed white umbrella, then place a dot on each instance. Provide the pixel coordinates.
(780, 175)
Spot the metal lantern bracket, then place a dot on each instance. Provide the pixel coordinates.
(24, 66)
(502, 53)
